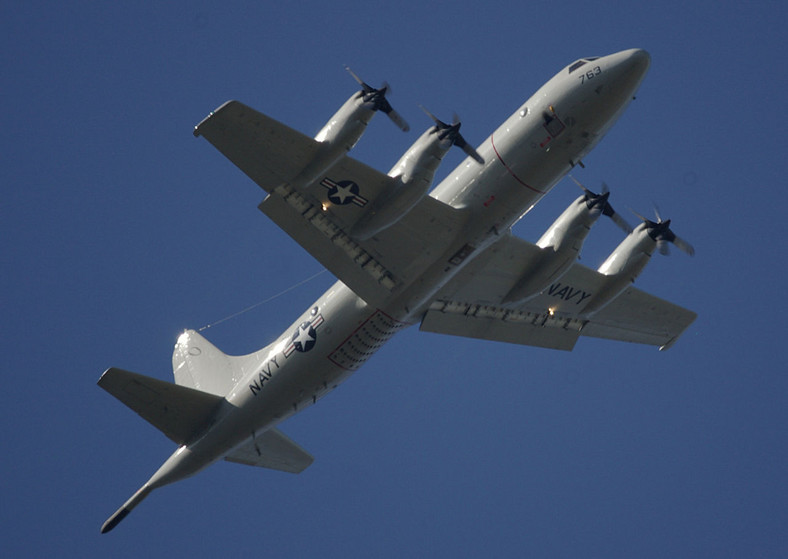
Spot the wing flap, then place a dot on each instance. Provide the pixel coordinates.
(177, 411)
(491, 324)
(372, 268)
(331, 246)
(274, 450)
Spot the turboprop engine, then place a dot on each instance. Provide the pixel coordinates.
(414, 173)
(630, 257)
(562, 242)
(345, 128)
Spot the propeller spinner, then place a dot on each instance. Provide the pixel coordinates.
(660, 231)
(376, 98)
(600, 201)
(451, 132)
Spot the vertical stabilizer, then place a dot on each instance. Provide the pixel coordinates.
(197, 363)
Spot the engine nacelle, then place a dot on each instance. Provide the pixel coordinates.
(414, 172)
(337, 137)
(561, 245)
(623, 265)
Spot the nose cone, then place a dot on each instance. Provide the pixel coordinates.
(638, 60)
(630, 67)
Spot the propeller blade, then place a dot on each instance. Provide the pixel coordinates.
(662, 234)
(607, 209)
(578, 183)
(439, 124)
(451, 132)
(365, 86)
(683, 245)
(645, 220)
(656, 212)
(377, 98)
(618, 220)
(468, 149)
(398, 120)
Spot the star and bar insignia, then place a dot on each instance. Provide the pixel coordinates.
(343, 192)
(304, 337)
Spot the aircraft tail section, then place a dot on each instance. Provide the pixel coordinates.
(127, 507)
(177, 411)
(197, 363)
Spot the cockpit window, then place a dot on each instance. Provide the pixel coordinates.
(576, 65)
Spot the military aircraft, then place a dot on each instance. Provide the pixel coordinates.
(445, 259)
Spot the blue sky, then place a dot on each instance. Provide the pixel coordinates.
(119, 230)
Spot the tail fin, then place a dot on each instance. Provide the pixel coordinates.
(177, 411)
(197, 363)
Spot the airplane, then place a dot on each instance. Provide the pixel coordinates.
(445, 259)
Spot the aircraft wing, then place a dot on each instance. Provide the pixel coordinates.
(319, 215)
(275, 450)
(471, 305)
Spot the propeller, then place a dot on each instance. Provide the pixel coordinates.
(661, 233)
(451, 132)
(376, 98)
(600, 201)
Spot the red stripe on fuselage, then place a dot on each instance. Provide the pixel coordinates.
(528, 186)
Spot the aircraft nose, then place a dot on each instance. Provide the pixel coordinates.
(639, 61)
(633, 63)
(627, 69)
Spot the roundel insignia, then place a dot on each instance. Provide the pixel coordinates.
(304, 338)
(343, 192)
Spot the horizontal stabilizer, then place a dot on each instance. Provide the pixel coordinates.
(273, 449)
(177, 411)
